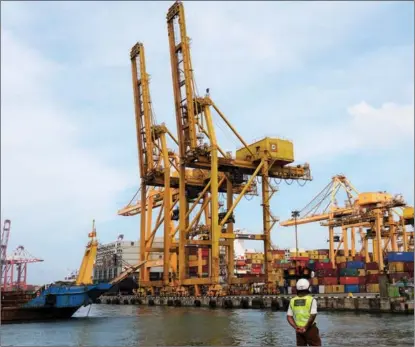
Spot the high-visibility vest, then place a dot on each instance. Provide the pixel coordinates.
(301, 307)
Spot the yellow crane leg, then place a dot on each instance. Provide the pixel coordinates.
(345, 242)
(231, 251)
(331, 241)
(167, 206)
(379, 239)
(353, 240)
(214, 203)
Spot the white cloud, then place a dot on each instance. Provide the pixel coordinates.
(365, 129)
(52, 187)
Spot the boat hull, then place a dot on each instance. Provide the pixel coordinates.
(51, 303)
(20, 314)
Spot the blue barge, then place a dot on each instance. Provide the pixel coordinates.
(56, 301)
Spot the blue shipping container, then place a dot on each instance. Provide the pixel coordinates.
(314, 289)
(406, 257)
(355, 265)
(351, 288)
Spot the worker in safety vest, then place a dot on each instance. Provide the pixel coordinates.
(301, 315)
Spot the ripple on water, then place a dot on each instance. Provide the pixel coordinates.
(128, 325)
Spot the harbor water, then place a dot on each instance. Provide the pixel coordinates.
(127, 325)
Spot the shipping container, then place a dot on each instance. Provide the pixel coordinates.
(362, 280)
(393, 292)
(409, 267)
(314, 281)
(330, 281)
(372, 266)
(340, 259)
(338, 288)
(359, 258)
(342, 265)
(396, 266)
(323, 251)
(371, 279)
(293, 283)
(372, 272)
(361, 272)
(321, 266)
(349, 272)
(400, 256)
(362, 288)
(328, 289)
(372, 288)
(321, 289)
(349, 280)
(314, 289)
(351, 288)
(355, 265)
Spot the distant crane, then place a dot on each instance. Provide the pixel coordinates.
(4, 242)
(16, 269)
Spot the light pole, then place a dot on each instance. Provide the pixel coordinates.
(295, 214)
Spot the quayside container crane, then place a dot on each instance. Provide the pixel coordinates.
(267, 159)
(14, 266)
(372, 210)
(158, 167)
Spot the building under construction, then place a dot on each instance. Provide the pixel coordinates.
(189, 190)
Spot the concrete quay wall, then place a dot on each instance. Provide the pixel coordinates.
(325, 303)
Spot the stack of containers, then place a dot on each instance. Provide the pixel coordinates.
(400, 265)
(372, 277)
(257, 263)
(349, 275)
(326, 276)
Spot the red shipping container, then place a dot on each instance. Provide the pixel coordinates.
(372, 279)
(362, 280)
(322, 266)
(342, 265)
(304, 259)
(362, 288)
(397, 276)
(349, 280)
(372, 266)
(409, 267)
(293, 290)
(248, 261)
(330, 281)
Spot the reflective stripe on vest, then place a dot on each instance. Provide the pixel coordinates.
(301, 307)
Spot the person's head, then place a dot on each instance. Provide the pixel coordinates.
(303, 287)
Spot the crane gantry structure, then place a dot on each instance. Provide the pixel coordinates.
(362, 210)
(195, 175)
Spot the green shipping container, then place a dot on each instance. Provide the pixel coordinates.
(324, 260)
(349, 272)
(393, 292)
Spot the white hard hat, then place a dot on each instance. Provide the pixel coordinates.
(303, 284)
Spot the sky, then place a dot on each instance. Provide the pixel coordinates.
(336, 78)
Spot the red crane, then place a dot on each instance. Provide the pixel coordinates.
(4, 241)
(17, 274)
(14, 267)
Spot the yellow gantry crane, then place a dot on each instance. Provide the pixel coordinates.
(362, 210)
(268, 158)
(159, 178)
(197, 175)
